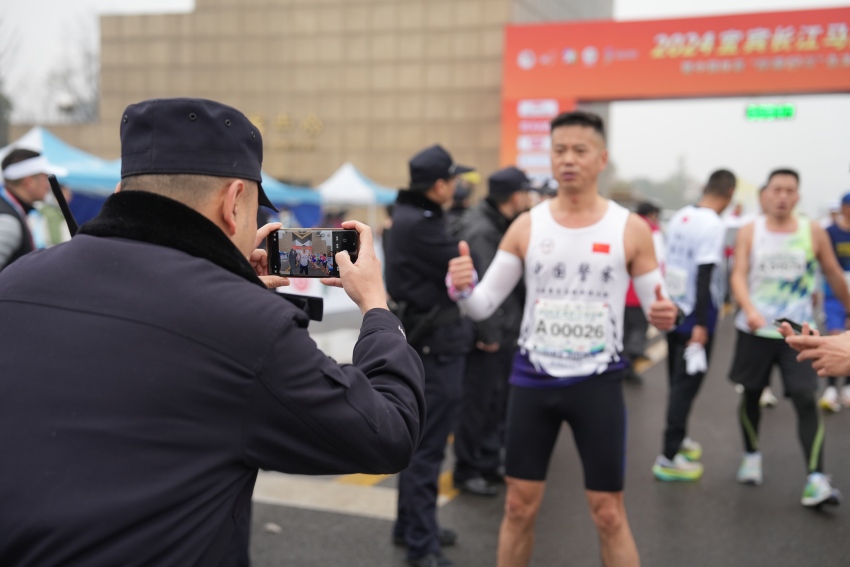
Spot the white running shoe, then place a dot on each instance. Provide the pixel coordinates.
(750, 470)
(819, 491)
(845, 396)
(829, 399)
(767, 399)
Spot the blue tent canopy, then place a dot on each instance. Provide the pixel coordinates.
(92, 179)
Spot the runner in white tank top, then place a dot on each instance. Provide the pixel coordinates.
(577, 253)
(776, 257)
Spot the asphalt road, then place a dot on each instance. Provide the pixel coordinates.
(714, 522)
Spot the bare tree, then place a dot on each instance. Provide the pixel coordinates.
(75, 82)
(9, 43)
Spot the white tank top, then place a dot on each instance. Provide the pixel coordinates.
(782, 276)
(576, 282)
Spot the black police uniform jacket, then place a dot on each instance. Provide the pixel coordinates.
(146, 375)
(417, 259)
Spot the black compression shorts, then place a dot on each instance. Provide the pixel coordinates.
(595, 411)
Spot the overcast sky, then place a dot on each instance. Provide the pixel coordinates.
(648, 139)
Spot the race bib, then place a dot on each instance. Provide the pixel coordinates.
(570, 329)
(787, 265)
(677, 282)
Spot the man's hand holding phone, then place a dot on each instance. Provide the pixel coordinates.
(362, 281)
(259, 258)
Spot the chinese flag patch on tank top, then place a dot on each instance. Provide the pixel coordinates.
(600, 248)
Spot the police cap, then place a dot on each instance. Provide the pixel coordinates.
(508, 181)
(431, 165)
(191, 136)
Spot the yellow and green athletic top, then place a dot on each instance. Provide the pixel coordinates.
(782, 276)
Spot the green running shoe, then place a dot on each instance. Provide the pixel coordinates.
(691, 450)
(679, 469)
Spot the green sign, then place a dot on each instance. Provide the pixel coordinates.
(769, 112)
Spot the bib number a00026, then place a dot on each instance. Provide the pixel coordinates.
(570, 329)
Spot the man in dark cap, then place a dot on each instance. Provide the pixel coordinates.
(165, 374)
(417, 258)
(478, 436)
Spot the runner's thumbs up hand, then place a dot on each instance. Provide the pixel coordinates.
(663, 312)
(461, 268)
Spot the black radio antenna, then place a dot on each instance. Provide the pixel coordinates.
(63, 204)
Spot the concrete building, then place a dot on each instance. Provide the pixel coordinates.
(326, 81)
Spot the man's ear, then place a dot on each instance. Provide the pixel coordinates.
(118, 187)
(230, 205)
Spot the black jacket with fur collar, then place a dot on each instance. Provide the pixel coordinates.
(146, 375)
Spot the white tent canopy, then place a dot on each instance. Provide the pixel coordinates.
(347, 186)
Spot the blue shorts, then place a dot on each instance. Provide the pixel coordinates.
(835, 315)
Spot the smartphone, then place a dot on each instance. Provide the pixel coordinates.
(309, 252)
(798, 328)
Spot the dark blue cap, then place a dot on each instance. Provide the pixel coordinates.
(191, 136)
(508, 181)
(845, 200)
(431, 165)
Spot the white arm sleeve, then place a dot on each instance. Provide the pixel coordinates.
(645, 288)
(10, 237)
(499, 281)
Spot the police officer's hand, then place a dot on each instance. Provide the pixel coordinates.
(461, 268)
(361, 281)
(259, 259)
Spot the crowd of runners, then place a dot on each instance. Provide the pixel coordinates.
(576, 255)
(303, 262)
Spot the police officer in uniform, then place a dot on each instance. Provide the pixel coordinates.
(478, 437)
(148, 373)
(417, 259)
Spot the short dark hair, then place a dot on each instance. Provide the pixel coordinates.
(579, 118)
(18, 155)
(647, 208)
(187, 188)
(722, 182)
(783, 171)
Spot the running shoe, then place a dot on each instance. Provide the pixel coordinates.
(829, 399)
(679, 469)
(819, 491)
(845, 396)
(767, 399)
(750, 470)
(691, 450)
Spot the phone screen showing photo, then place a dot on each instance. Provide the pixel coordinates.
(310, 252)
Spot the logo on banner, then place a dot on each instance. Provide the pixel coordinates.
(589, 56)
(526, 59)
(569, 56)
